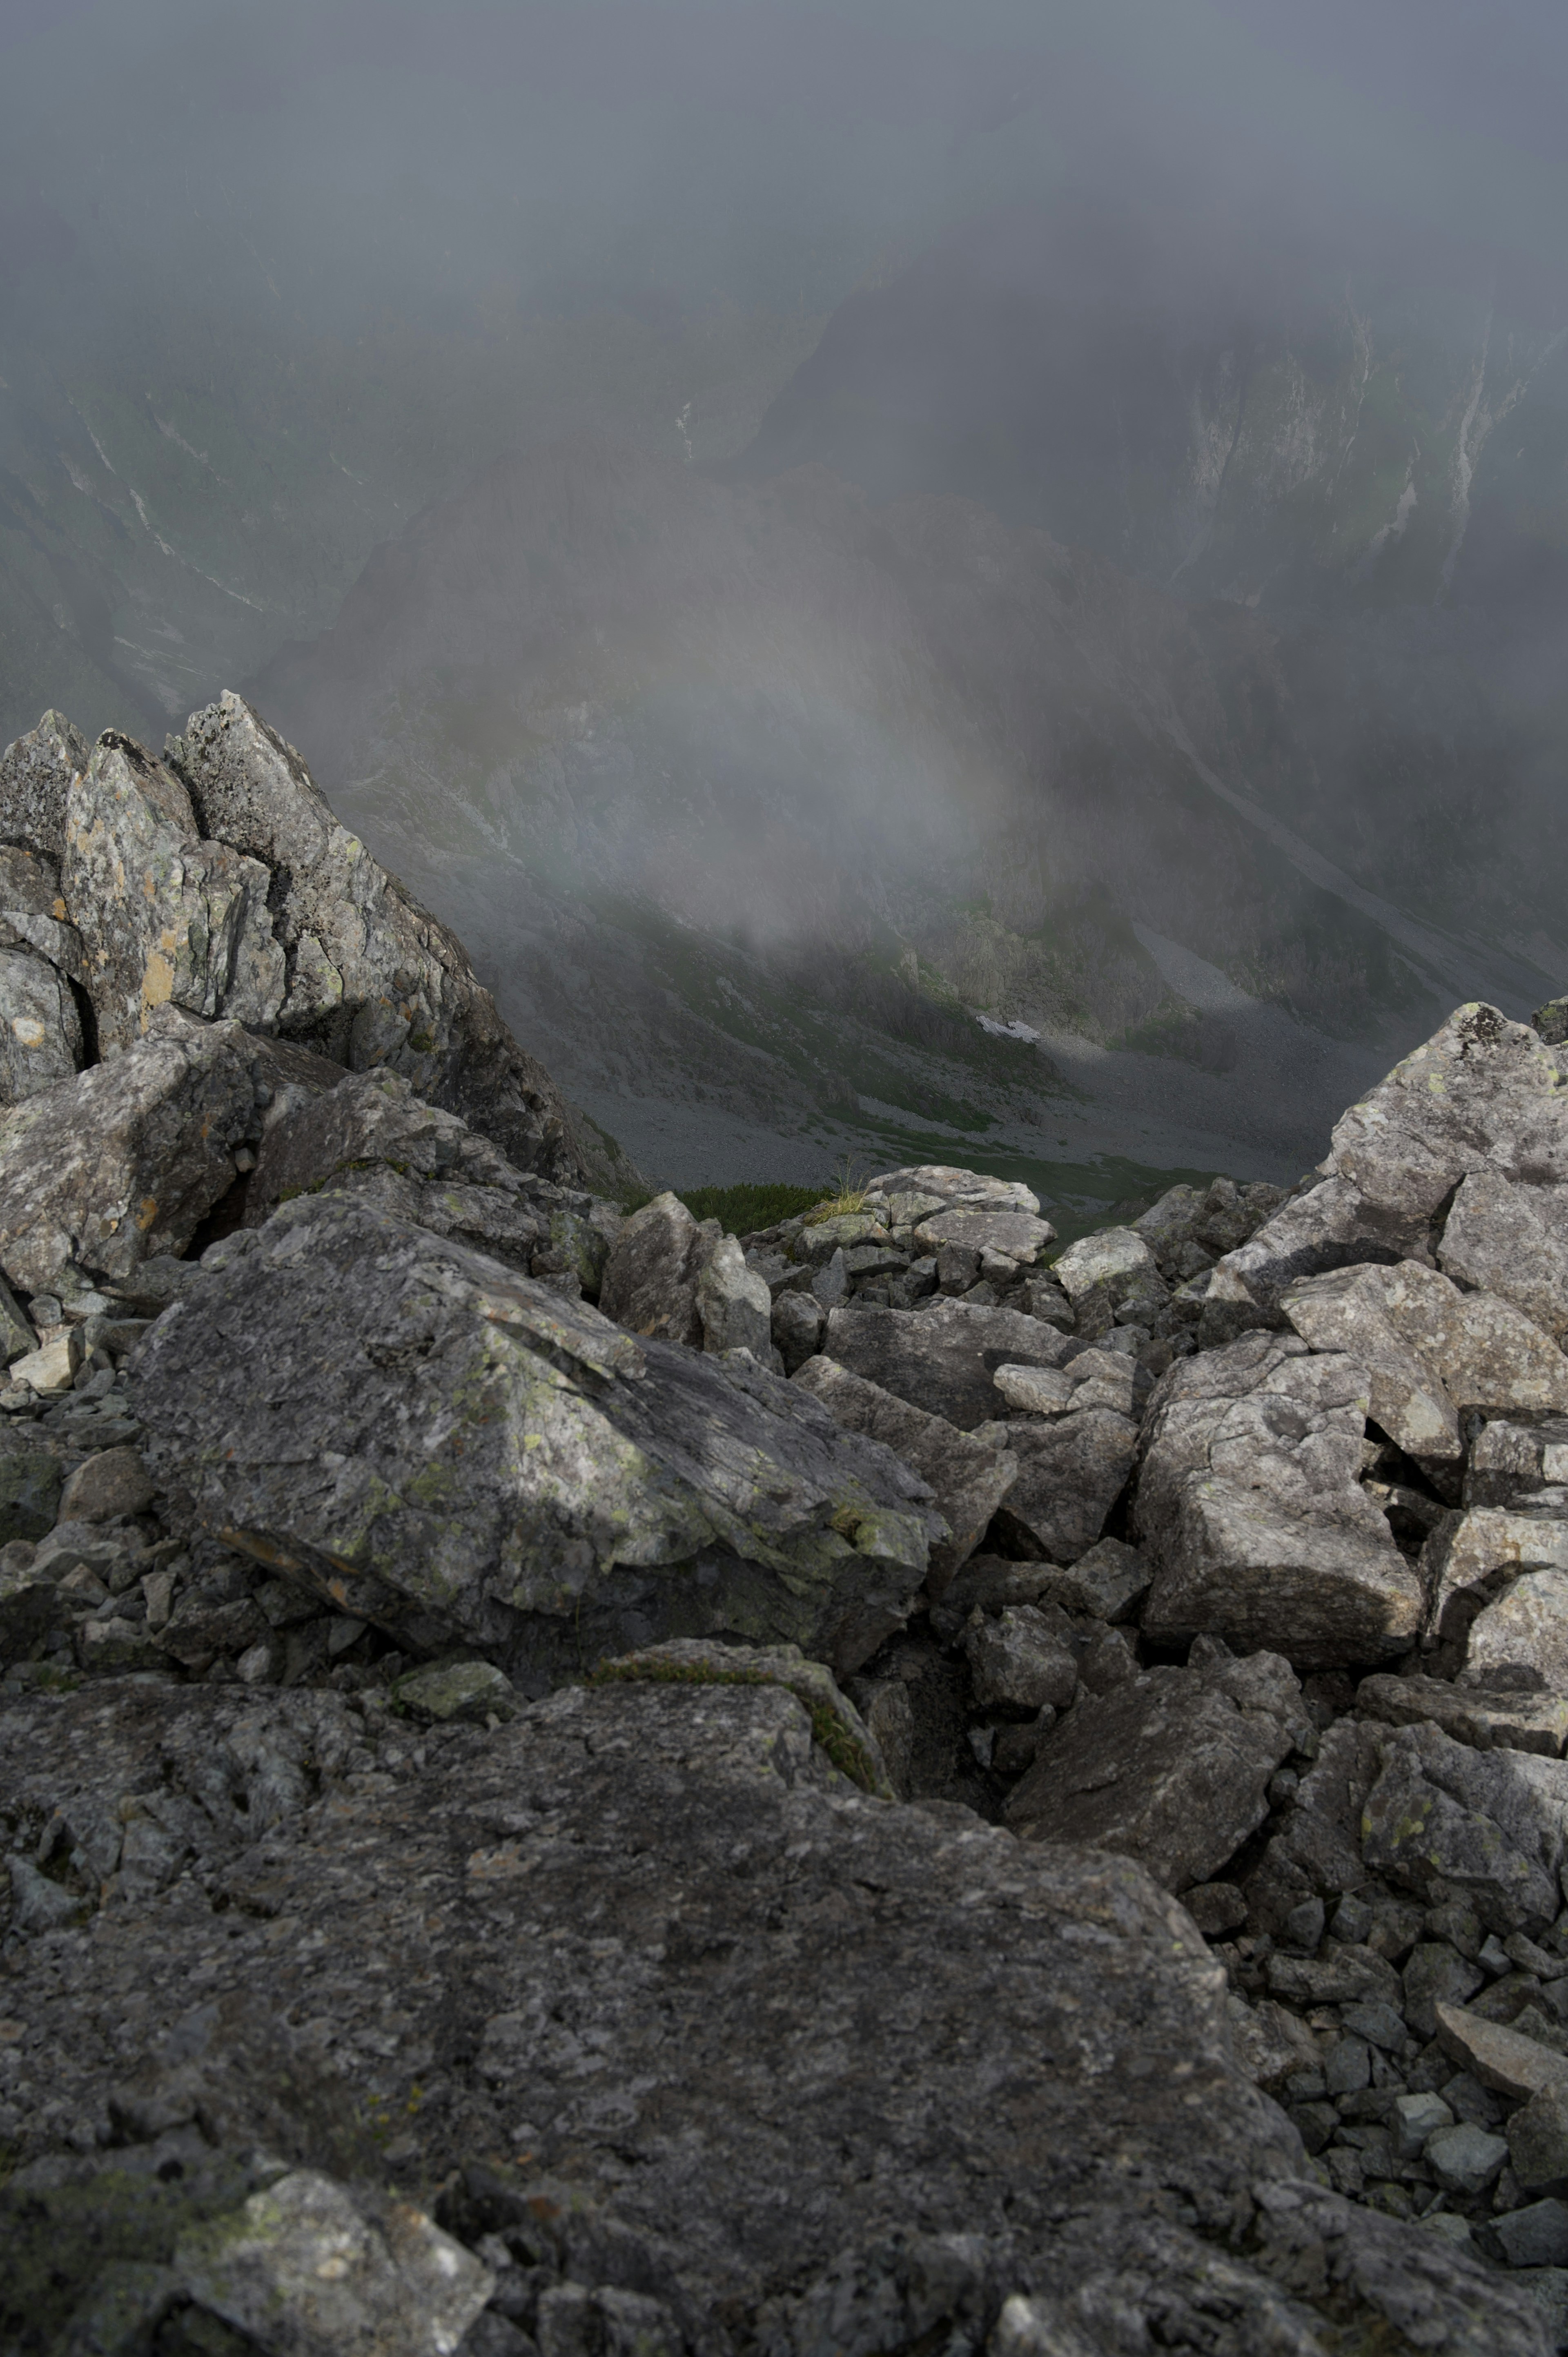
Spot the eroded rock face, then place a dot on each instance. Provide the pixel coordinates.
(1249, 1502)
(464, 1454)
(918, 1993)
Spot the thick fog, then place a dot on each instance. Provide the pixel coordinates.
(976, 507)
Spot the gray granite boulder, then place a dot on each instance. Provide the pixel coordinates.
(651, 1278)
(1249, 1504)
(1431, 1350)
(1442, 1817)
(457, 1454)
(1071, 1471)
(1482, 1097)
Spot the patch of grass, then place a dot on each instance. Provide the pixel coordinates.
(848, 1196)
(741, 1210)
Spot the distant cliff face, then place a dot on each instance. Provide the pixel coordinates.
(1255, 427)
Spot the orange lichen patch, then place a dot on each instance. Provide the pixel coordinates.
(61, 914)
(147, 1214)
(158, 983)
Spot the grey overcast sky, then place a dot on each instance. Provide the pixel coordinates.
(359, 153)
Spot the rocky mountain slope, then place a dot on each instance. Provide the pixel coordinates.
(572, 1783)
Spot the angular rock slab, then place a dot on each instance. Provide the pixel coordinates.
(119, 1165)
(1249, 1503)
(968, 1478)
(1172, 1770)
(372, 978)
(445, 1447)
(886, 2019)
(943, 1358)
(1475, 1550)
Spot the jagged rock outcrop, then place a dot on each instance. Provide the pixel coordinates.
(218, 880)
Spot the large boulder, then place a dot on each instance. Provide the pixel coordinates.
(891, 2079)
(120, 1165)
(943, 1358)
(1443, 1817)
(370, 977)
(1172, 1769)
(969, 1477)
(371, 1136)
(1248, 1501)
(453, 1452)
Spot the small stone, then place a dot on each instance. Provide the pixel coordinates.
(113, 1483)
(1022, 1659)
(1106, 1582)
(1499, 2058)
(1464, 2158)
(343, 1631)
(1034, 1391)
(1536, 2236)
(1413, 2119)
(1493, 1957)
(1537, 2138)
(159, 1587)
(1302, 1928)
(1216, 1908)
(1315, 2123)
(1348, 2067)
(1378, 2024)
(51, 1370)
(466, 1690)
(254, 1666)
(1352, 1920)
